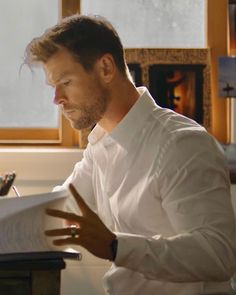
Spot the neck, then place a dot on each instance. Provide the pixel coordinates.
(123, 96)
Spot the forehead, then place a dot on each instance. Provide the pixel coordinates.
(60, 64)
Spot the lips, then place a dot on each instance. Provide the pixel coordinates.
(68, 111)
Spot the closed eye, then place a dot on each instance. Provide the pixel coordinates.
(66, 83)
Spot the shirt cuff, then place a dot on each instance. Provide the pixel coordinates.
(131, 249)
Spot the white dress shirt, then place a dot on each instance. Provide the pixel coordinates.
(160, 181)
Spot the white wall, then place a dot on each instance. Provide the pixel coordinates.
(39, 170)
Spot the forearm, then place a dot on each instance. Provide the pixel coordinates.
(186, 257)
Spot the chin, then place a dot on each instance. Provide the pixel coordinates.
(75, 125)
(80, 125)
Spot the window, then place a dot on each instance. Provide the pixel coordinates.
(27, 114)
(154, 23)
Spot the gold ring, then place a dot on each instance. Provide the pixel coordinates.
(73, 231)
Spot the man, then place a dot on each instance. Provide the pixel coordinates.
(152, 188)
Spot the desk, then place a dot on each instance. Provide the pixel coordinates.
(31, 277)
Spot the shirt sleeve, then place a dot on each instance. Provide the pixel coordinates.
(193, 182)
(81, 178)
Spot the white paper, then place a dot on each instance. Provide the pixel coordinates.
(23, 222)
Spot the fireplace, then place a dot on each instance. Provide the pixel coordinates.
(178, 79)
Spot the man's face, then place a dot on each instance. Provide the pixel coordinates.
(79, 93)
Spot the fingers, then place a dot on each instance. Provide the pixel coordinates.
(61, 232)
(82, 221)
(79, 200)
(71, 217)
(67, 241)
(72, 239)
(69, 222)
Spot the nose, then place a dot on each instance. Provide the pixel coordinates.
(59, 96)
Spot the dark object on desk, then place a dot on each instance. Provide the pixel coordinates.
(6, 182)
(32, 276)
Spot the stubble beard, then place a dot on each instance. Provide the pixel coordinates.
(89, 115)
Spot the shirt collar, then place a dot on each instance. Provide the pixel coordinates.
(130, 124)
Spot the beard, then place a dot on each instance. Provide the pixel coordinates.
(86, 115)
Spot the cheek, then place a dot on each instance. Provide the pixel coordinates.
(82, 91)
(74, 93)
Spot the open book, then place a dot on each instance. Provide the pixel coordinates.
(22, 225)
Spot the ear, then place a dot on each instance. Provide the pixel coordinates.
(106, 67)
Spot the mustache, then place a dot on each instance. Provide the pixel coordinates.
(68, 108)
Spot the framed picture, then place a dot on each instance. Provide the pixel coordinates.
(178, 87)
(227, 76)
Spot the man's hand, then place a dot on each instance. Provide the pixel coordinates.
(90, 232)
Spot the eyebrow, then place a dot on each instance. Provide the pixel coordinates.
(57, 78)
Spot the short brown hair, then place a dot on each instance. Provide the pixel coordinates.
(86, 37)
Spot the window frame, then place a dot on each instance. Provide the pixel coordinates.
(64, 135)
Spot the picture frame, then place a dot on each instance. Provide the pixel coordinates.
(227, 76)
